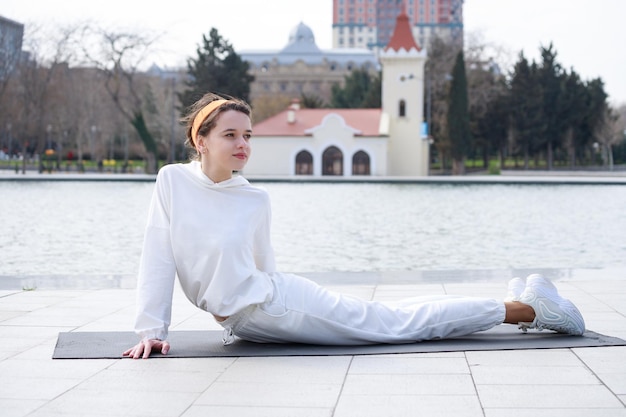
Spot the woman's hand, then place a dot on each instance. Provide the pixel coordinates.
(147, 346)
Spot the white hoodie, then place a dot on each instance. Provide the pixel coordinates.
(214, 236)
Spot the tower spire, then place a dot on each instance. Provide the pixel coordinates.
(402, 37)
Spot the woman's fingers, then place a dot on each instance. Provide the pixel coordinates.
(145, 347)
(131, 353)
(136, 351)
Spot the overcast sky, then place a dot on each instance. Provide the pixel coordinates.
(588, 35)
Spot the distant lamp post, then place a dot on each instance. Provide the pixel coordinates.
(49, 152)
(10, 139)
(48, 137)
(125, 150)
(112, 150)
(92, 142)
(60, 149)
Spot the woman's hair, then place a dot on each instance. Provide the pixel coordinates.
(211, 120)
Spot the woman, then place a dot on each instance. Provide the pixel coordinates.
(212, 230)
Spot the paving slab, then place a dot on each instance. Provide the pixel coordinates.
(546, 382)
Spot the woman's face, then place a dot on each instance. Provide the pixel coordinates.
(227, 146)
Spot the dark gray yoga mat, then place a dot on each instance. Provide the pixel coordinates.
(197, 344)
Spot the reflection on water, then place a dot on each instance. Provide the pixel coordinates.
(72, 228)
(86, 228)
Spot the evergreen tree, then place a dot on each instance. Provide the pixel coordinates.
(360, 90)
(218, 69)
(373, 99)
(549, 76)
(525, 107)
(595, 109)
(311, 101)
(495, 125)
(552, 110)
(458, 116)
(571, 109)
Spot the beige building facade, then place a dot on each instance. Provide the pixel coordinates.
(388, 141)
(301, 67)
(319, 142)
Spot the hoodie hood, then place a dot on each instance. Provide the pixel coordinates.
(196, 170)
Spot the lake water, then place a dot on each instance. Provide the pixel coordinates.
(96, 228)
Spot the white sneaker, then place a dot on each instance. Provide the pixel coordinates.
(515, 289)
(552, 311)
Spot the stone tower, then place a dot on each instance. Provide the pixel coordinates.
(402, 63)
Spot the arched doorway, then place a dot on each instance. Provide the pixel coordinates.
(304, 163)
(360, 163)
(332, 161)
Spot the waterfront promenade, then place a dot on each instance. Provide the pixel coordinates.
(548, 382)
(506, 177)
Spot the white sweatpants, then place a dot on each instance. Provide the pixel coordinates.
(304, 312)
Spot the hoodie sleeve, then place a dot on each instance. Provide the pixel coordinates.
(263, 251)
(157, 270)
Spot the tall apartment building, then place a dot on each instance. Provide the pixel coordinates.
(11, 34)
(369, 23)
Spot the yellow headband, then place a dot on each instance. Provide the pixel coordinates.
(202, 115)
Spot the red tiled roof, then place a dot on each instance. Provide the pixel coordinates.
(367, 121)
(402, 37)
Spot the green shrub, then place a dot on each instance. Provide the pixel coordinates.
(494, 168)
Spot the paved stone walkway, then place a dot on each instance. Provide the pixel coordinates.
(553, 382)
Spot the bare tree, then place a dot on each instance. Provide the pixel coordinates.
(88, 117)
(119, 55)
(162, 103)
(268, 105)
(441, 55)
(610, 132)
(486, 88)
(48, 52)
(484, 62)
